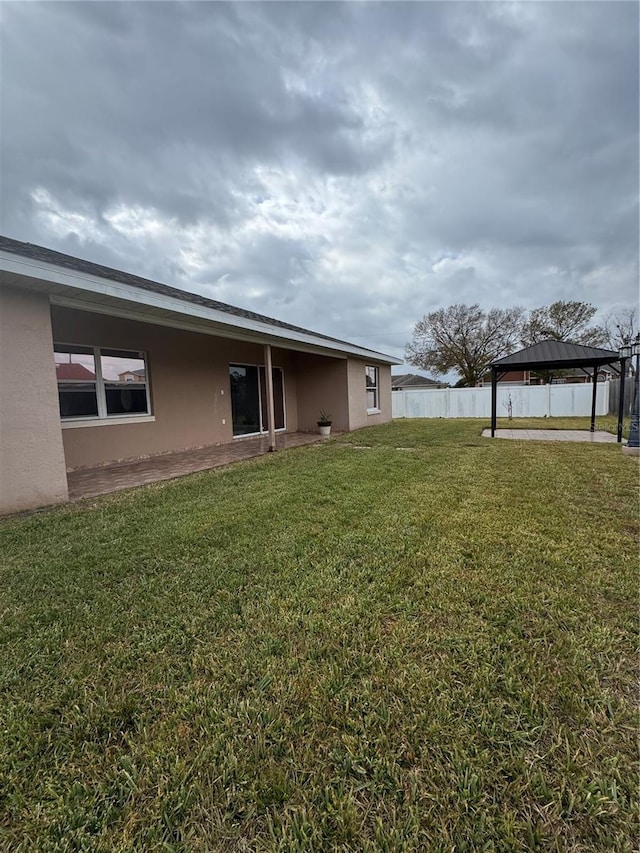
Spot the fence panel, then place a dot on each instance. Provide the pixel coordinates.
(614, 395)
(527, 401)
(397, 404)
(437, 403)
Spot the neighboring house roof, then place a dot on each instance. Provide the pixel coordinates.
(413, 380)
(558, 355)
(66, 371)
(232, 316)
(576, 372)
(140, 372)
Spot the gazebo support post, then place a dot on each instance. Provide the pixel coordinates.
(592, 428)
(494, 400)
(623, 372)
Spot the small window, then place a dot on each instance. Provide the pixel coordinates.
(373, 394)
(100, 383)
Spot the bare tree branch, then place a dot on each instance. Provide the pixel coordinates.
(563, 321)
(621, 327)
(464, 339)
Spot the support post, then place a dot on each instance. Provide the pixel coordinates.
(592, 428)
(271, 410)
(623, 372)
(494, 400)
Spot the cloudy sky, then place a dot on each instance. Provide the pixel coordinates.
(344, 167)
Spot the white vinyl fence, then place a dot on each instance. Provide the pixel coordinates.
(527, 401)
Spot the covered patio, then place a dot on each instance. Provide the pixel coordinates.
(559, 355)
(102, 479)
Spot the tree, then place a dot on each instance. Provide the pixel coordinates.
(621, 327)
(464, 339)
(563, 321)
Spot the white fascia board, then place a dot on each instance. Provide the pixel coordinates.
(87, 283)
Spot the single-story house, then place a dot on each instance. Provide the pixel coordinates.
(414, 382)
(98, 365)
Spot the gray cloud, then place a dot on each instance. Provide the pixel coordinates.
(345, 167)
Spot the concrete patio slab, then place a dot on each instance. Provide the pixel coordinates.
(90, 482)
(598, 437)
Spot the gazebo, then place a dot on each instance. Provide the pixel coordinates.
(559, 355)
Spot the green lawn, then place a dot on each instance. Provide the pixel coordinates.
(346, 647)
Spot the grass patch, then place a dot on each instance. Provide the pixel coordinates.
(330, 649)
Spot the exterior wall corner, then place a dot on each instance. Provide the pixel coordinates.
(32, 463)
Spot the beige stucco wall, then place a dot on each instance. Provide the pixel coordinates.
(189, 382)
(189, 387)
(339, 387)
(322, 384)
(358, 416)
(32, 465)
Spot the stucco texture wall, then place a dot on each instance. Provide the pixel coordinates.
(322, 385)
(189, 382)
(32, 465)
(358, 416)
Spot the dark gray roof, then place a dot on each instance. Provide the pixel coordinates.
(407, 380)
(550, 355)
(40, 253)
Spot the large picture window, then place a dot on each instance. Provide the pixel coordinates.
(101, 383)
(373, 389)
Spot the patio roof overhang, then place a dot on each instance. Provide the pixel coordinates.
(74, 288)
(559, 355)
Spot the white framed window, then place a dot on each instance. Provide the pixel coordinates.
(373, 389)
(93, 383)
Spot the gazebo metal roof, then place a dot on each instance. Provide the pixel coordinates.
(558, 355)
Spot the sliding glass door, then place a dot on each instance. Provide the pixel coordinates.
(245, 399)
(249, 399)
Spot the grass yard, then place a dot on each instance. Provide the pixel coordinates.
(410, 638)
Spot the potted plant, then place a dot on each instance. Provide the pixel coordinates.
(324, 423)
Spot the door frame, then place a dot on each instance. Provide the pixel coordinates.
(263, 430)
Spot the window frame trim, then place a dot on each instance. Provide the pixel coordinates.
(112, 420)
(262, 432)
(103, 418)
(374, 410)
